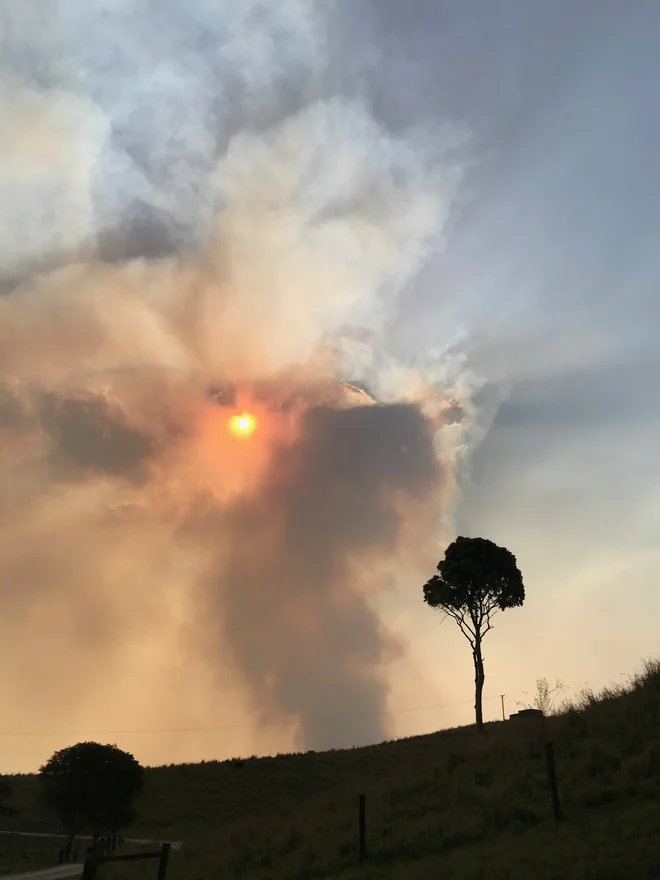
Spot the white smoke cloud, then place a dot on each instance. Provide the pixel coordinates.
(131, 517)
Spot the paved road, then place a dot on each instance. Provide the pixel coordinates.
(176, 844)
(48, 873)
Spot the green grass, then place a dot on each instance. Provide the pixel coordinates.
(453, 804)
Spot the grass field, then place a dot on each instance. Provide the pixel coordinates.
(453, 804)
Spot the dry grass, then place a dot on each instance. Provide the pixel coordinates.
(453, 803)
(25, 853)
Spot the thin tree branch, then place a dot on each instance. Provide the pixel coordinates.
(464, 627)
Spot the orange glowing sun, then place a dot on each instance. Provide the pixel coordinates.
(242, 424)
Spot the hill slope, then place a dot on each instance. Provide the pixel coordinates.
(452, 804)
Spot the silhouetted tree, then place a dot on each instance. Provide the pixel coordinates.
(91, 786)
(475, 580)
(6, 790)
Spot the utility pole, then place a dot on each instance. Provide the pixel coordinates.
(503, 715)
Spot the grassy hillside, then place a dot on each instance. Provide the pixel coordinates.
(453, 804)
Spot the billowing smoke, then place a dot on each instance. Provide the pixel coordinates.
(304, 552)
(213, 237)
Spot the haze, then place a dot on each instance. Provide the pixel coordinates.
(216, 209)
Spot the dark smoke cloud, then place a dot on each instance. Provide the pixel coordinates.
(12, 412)
(88, 435)
(294, 588)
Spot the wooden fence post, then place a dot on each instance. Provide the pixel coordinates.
(162, 864)
(90, 868)
(552, 781)
(362, 828)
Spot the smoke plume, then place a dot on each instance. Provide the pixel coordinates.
(196, 226)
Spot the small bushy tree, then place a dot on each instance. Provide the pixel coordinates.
(91, 786)
(474, 581)
(6, 790)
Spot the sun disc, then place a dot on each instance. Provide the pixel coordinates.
(242, 424)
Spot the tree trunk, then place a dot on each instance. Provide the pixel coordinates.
(479, 677)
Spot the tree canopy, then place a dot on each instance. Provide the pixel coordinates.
(6, 790)
(475, 579)
(92, 786)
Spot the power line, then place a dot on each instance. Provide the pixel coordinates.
(266, 725)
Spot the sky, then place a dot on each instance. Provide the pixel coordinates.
(552, 269)
(454, 204)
